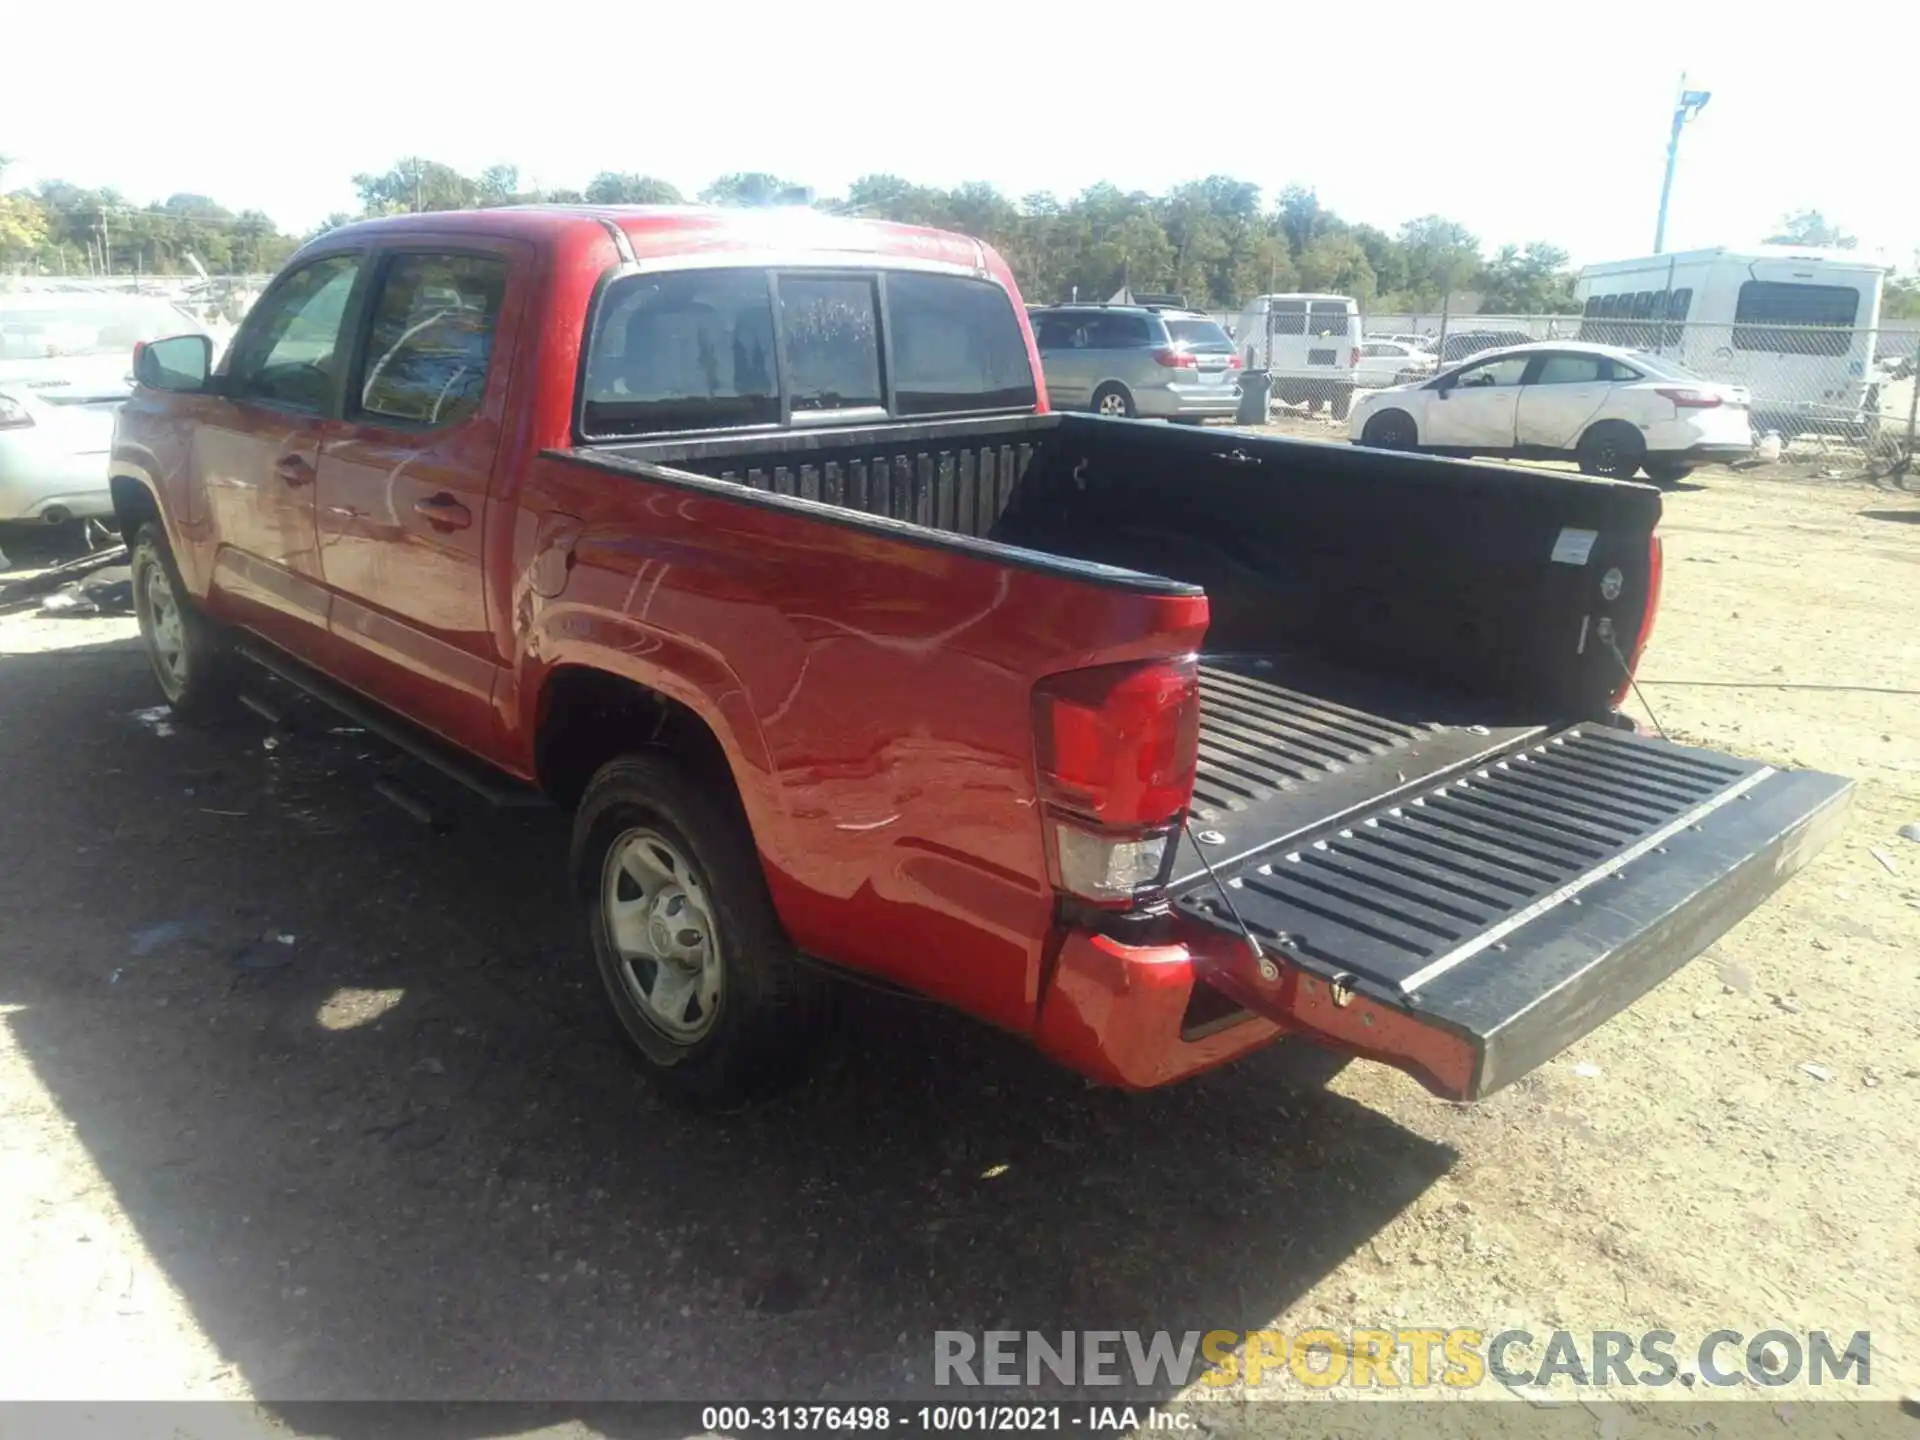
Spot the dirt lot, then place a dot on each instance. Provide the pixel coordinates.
(304, 1101)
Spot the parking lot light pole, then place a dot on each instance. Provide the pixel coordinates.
(1691, 103)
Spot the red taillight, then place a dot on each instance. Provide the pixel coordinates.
(1655, 565)
(1353, 358)
(1233, 362)
(1176, 359)
(1115, 749)
(1689, 399)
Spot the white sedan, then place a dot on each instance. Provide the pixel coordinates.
(66, 363)
(1616, 412)
(1389, 362)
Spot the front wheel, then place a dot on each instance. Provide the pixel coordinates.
(1114, 402)
(190, 656)
(1666, 473)
(702, 978)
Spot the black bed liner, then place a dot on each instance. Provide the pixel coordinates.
(1288, 745)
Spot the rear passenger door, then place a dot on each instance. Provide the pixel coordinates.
(403, 484)
(1562, 395)
(1067, 356)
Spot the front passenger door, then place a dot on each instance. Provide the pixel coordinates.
(257, 451)
(1476, 412)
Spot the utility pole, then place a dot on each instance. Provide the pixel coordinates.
(1690, 104)
(106, 255)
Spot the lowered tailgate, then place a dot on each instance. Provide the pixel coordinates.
(1481, 915)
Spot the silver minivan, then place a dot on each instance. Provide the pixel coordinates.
(1146, 360)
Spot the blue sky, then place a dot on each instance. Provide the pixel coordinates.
(1523, 121)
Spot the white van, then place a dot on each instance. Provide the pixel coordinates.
(1795, 326)
(1310, 344)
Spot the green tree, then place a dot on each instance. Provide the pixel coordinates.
(1441, 257)
(620, 187)
(415, 184)
(1535, 281)
(755, 188)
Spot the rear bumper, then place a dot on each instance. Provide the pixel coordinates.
(1207, 402)
(1123, 1014)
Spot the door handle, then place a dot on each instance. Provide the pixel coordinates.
(443, 512)
(294, 469)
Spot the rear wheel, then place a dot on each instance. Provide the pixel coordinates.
(189, 653)
(1114, 402)
(1612, 449)
(702, 978)
(1390, 430)
(1342, 402)
(1665, 473)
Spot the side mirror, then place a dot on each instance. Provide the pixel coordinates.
(1443, 386)
(180, 363)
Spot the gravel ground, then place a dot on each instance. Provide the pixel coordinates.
(304, 1101)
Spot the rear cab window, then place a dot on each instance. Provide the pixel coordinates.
(745, 348)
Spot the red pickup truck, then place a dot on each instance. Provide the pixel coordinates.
(749, 538)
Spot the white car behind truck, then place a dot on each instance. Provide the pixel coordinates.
(1310, 345)
(1615, 412)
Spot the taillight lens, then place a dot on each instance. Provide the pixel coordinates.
(1353, 358)
(13, 415)
(1233, 362)
(1656, 559)
(1115, 749)
(1690, 399)
(1176, 359)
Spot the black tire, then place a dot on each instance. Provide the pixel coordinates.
(1391, 430)
(1316, 397)
(1342, 403)
(1666, 473)
(190, 655)
(1113, 401)
(768, 1010)
(1612, 449)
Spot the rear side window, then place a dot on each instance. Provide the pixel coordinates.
(1573, 370)
(431, 339)
(1328, 319)
(1120, 332)
(956, 346)
(691, 350)
(1795, 319)
(832, 331)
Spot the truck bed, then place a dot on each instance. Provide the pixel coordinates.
(1410, 780)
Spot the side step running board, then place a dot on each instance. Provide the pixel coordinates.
(495, 789)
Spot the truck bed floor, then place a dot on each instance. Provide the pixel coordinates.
(1288, 745)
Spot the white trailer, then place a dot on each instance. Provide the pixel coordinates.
(1795, 326)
